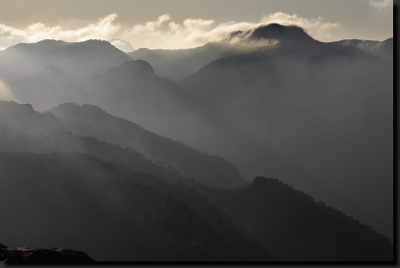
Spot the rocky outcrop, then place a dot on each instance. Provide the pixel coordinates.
(40, 255)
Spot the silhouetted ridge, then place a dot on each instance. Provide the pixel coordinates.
(276, 31)
(129, 67)
(388, 43)
(90, 120)
(296, 227)
(51, 69)
(114, 214)
(273, 31)
(260, 182)
(52, 45)
(43, 43)
(77, 59)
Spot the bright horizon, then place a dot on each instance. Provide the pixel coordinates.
(177, 24)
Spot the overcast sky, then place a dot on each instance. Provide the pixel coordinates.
(187, 23)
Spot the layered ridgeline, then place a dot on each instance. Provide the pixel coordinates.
(317, 115)
(328, 107)
(297, 228)
(321, 113)
(125, 88)
(77, 201)
(90, 130)
(180, 63)
(50, 72)
(71, 200)
(89, 120)
(77, 59)
(114, 213)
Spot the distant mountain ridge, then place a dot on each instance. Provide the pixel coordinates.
(89, 120)
(81, 202)
(327, 107)
(76, 58)
(297, 228)
(178, 64)
(317, 115)
(275, 31)
(170, 159)
(114, 212)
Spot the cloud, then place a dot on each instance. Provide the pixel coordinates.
(380, 4)
(5, 93)
(122, 45)
(166, 33)
(317, 28)
(10, 36)
(163, 32)
(104, 28)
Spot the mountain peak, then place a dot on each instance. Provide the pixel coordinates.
(129, 67)
(50, 45)
(74, 109)
(273, 31)
(277, 31)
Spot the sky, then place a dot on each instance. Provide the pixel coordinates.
(175, 24)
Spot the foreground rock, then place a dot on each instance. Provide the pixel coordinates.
(40, 255)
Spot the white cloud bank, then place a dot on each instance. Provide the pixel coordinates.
(381, 4)
(163, 32)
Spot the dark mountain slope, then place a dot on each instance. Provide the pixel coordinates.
(328, 108)
(89, 120)
(295, 227)
(141, 150)
(284, 34)
(76, 201)
(48, 135)
(380, 48)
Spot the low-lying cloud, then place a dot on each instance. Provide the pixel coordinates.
(163, 32)
(381, 4)
(5, 93)
(104, 28)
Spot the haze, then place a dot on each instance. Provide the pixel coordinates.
(207, 130)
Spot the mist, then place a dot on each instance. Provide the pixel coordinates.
(200, 124)
(5, 93)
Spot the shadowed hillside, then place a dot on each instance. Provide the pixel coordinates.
(295, 227)
(89, 120)
(152, 155)
(76, 201)
(328, 107)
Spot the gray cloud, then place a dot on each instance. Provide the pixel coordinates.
(381, 4)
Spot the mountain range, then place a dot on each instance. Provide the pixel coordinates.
(198, 125)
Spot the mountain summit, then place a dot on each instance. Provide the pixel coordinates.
(273, 31)
(138, 67)
(78, 59)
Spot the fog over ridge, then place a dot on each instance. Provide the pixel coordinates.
(163, 32)
(272, 99)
